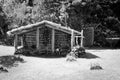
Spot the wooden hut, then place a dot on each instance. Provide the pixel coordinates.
(46, 36)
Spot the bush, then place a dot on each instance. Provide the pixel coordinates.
(71, 57)
(78, 51)
(22, 51)
(3, 69)
(63, 50)
(9, 41)
(10, 60)
(95, 66)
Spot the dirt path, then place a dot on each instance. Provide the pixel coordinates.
(58, 69)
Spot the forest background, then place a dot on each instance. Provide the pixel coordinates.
(103, 15)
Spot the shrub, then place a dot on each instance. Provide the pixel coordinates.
(2, 69)
(10, 60)
(22, 51)
(95, 66)
(78, 51)
(71, 57)
(62, 50)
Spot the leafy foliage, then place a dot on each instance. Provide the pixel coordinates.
(103, 15)
(10, 60)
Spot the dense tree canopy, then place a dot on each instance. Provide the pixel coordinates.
(103, 15)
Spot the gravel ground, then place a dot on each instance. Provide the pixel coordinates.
(37, 68)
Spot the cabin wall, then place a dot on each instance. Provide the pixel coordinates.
(30, 39)
(62, 39)
(19, 40)
(45, 39)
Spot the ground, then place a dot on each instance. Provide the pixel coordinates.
(37, 68)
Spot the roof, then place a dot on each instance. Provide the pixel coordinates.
(50, 24)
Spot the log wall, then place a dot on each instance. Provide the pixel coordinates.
(45, 39)
(30, 38)
(62, 39)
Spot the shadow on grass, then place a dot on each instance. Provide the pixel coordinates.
(10, 61)
(46, 54)
(101, 48)
(36, 53)
(88, 55)
(50, 55)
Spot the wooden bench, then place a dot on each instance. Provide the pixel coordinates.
(113, 41)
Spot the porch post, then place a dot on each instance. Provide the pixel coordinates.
(76, 39)
(22, 44)
(81, 44)
(72, 39)
(37, 38)
(16, 42)
(53, 40)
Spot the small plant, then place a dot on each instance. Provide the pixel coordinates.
(80, 51)
(95, 66)
(3, 69)
(71, 57)
(76, 52)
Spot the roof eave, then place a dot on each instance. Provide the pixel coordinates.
(44, 22)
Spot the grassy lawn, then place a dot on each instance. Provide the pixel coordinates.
(38, 68)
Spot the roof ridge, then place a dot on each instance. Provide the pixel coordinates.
(57, 26)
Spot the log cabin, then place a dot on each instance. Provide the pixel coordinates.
(46, 36)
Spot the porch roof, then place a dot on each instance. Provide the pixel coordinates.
(50, 24)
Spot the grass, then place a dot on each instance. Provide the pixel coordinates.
(41, 68)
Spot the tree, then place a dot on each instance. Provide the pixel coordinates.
(3, 22)
(99, 14)
(25, 12)
(103, 15)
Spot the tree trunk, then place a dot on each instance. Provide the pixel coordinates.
(2, 31)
